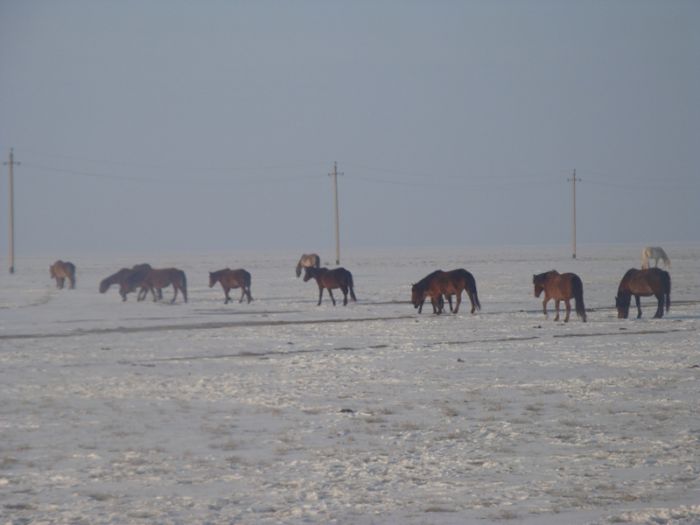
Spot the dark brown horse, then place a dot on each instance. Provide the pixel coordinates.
(421, 290)
(157, 279)
(560, 287)
(128, 280)
(643, 283)
(232, 279)
(62, 270)
(446, 284)
(330, 279)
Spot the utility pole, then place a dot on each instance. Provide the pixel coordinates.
(573, 180)
(335, 174)
(11, 163)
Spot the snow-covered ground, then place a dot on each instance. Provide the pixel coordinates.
(281, 411)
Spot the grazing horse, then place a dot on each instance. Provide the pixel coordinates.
(560, 287)
(329, 279)
(446, 284)
(652, 281)
(420, 290)
(308, 260)
(656, 253)
(128, 280)
(232, 279)
(62, 270)
(157, 279)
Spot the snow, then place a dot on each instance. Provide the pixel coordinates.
(282, 411)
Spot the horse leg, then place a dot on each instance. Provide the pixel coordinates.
(228, 297)
(544, 306)
(639, 306)
(567, 302)
(344, 289)
(660, 307)
(176, 288)
(449, 301)
(556, 305)
(242, 294)
(459, 301)
(471, 300)
(330, 292)
(320, 294)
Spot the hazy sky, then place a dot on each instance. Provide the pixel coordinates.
(192, 126)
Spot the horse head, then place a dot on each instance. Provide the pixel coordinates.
(104, 285)
(539, 285)
(622, 303)
(308, 273)
(213, 277)
(417, 295)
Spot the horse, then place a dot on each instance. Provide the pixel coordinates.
(330, 279)
(232, 279)
(643, 283)
(157, 279)
(420, 290)
(128, 279)
(560, 287)
(656, 253)
(62, 270)
(308, 260)
(446, 284)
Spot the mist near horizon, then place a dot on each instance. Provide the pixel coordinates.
(174, 127)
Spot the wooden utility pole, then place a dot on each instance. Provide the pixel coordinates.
(573, 180)
(11, 164)
(335, 174)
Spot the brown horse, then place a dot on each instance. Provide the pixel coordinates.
(560, 287)
(128, 279)
(157, 279)
(421, 290)
(308, 260)
(643, 283)
(446, 284)
(232, 279)
(62, 270)
(330, 279)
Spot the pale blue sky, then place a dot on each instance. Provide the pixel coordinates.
(168, 126)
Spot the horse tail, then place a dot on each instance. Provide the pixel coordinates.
(299, 269)
(183, 283)
(351, 286)
(666, 279)
(248, 280)
(577, 289)
(471, 282)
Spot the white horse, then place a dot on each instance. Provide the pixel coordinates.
(656, 253)
(308, 260)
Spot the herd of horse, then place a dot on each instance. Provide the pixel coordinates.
(438, 285)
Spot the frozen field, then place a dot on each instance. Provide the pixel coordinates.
(284, 412)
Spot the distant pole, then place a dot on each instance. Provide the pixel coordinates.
(337, 214)
(11, 164)
(573, 180)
